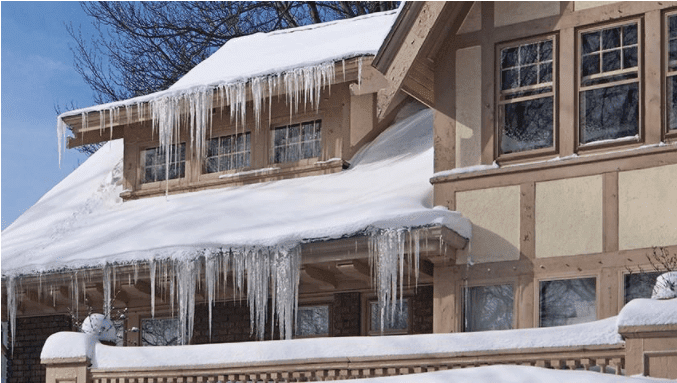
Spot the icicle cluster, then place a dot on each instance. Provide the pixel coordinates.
(193, 108)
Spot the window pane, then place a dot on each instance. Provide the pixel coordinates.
(545, 74)
(611, 38)
(590, 42)
(673, 50)
(119, 332)
(509, 57)
(672, 102)
(630, 34)
(609, 113)
(590, 65)
(160, 332)
(672, 26)
(528, 54)
(640, 285)
(509, 79)
(397, 321)
(312, 321)
(529, 75)
(546, 50)
(611, 61)
(527, 125)
(630, 57)
(568, 301)
(489, 308)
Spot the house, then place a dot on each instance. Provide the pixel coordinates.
(540, 177)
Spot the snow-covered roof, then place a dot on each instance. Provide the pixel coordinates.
(263, 54)
(83, 222)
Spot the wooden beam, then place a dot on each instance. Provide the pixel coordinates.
(144, 287)
(356, 269)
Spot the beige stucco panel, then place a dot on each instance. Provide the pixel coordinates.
(569, 216)
(495, 215)
(513, 12)
(647, 211)
(468, 106)
(473, 21)
(581, 5)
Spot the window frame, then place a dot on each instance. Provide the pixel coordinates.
(498, 282)
(203, 164)
(666, 74)
(579, 88)
(498, 102)
(141, 170)
(301, 120)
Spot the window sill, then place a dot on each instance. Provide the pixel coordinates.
(558, 162)
(242, 178)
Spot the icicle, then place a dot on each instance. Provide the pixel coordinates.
(211, 275)
(343, 63)
(106, 290)
(61, 138)
(359, 72)
(285, 280)
(152, 266)
(75, 294)
(186, 275)
(10, 285)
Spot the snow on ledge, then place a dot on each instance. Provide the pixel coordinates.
(597, 333)
(648, 312)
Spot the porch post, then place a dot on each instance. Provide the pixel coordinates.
(67, 370)
(444, 299)
(650, 350)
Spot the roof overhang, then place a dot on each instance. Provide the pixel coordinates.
(406, 57)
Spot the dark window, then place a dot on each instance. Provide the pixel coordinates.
(296, 142)
(639, 285)
(671, 86)
(154, 163)
(567, 301)
(312, 321)
(160, 332)
(489, 308)
(609, 83)
(526, 99)
(228, 153)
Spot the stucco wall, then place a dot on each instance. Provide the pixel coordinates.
(569, 216)
(495, 214)
(513, 12)
(647, 211)
(468, 106)
(581, 5)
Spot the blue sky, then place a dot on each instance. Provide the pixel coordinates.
(37, 74)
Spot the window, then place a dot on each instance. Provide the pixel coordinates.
(119, 332)
(489, 308)
(228, 153)
(526, 98)
(639, 285)
(312, 321)
(567, 301)
(296, 142)
(160, 332)
(154, 164)
(671, 69)
(395, 319)
(609, 87)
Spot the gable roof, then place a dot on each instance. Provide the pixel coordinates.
(82, 222)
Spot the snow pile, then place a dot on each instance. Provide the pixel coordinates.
(648, 312)
(296, 63)
(100, 327)
(666, 286)
(83, 223)
(508, 374)
(589, 334)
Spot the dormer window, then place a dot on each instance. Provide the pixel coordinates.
(154, 164)
(609, 86)
(526, 96)
(297, 142)
(228, 153)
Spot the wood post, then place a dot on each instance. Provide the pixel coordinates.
(67, 370)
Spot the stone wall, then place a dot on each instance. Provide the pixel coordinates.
(31, 334)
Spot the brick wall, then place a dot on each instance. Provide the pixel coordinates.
(422, 310)
(230, 323)
(31, 334)
(346, 314)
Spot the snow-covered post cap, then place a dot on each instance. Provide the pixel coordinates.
(666, 286)
(100, 327)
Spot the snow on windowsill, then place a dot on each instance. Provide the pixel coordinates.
(255, 172)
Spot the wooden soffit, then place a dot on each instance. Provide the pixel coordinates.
(406, 56)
